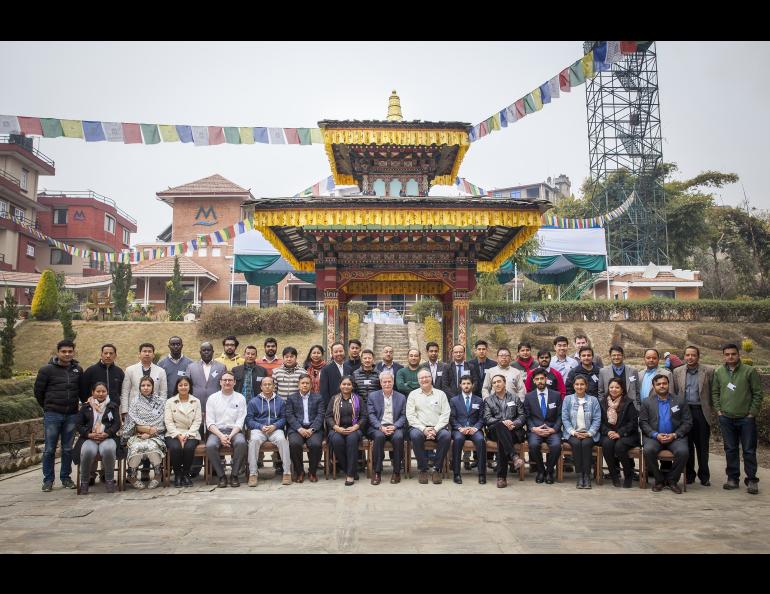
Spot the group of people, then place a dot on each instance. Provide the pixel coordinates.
(151, 411)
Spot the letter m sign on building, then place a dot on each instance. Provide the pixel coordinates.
(206, 213)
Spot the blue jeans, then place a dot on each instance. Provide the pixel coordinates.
(743, 431)
(58, 426)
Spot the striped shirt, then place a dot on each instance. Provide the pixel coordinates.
(287, 380)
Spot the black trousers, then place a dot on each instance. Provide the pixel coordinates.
(479, 443)
(346, 450)
(181, 458)
(314, 446)
(378, 449)
(554, 449)
(698, 444)
(506, 440)
(581, 452)
(678, 447)
(616, 450)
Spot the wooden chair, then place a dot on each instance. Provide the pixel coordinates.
(370, 456)
(363, 446)
(523, 448)
(430, 444)
(324, 457)
(666, 455)
(637, 454)
(162, 479)
(120, 464)
(566, 450)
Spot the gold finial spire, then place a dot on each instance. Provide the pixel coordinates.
(394, 108)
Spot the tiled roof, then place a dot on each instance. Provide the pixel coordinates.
(165, 267)
(26, 279)
(214, 184)
(663, 276)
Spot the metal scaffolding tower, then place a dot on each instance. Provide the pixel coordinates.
(625, 152)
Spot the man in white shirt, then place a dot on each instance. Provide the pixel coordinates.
(514, 380)
(225, 414)
(427, 412)
(562, 362)
(436, 367)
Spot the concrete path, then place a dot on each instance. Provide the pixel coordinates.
(405, 518)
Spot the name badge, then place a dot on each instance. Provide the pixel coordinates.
(180, 373)
(109, 416)
(675, 408)
(260, 377)
(436, 404)
(549, 382)
(439, 373)
(731, 386)
(475, 406)
(632, 378)
(551, 405)
(593, 377)
(214, 373)
(367, 382)
(510, 404)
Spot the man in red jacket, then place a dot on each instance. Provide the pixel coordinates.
(553, 380)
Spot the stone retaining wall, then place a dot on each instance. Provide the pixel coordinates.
(21, 430)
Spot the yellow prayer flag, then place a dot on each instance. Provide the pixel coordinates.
(496, 121)
(538, 97)
(315, 136)
(72, 128)
(588, 64)
(247, 135)
(168, 133)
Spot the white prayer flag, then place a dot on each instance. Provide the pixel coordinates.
(553, 87)
(200, 135)
(113, 131)
(276, 136)
(613, 52)
(9, 125)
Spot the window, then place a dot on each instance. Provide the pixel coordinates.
(59, 216)
(516, 194)
(239, 294)
(664, 293)
(533, 192)
(19, 212)
(60, 257)
(24, 179)
(126, 237)
(3, 209)
(31, 250)
(216, 252)
(109, 224)
(188, 298)
(268, 296)
(498, 194)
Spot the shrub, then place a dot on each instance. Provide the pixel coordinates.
(358, 307)
(9, 312)
(354, 325)
(760, 336)
(763, 420)
(45, 301)
(426, 308)
(19, 407)
(433, 332)
(220, 320)
(499, 337)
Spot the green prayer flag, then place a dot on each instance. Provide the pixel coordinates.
(232, 136)
(304, 136)
(51, 127)
(150, 133)
(529, 104)
(577, 75)
(315, 136)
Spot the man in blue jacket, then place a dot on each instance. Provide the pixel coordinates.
(466, 419)
(305, 420)
(266, 418)
(387, 422)
(542, 407)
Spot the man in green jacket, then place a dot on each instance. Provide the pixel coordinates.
(736, 395)
(406, 377)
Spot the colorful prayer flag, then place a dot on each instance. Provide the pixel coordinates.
(292, 137)
(577, 74)
(150, 133)
(261, 135)
(232, 135)
(185, 133)
(276, 136)
(553, 87)
(521, 109)
(93, 131)
(588, 64)
(564, 79)
(168, 133)
(315, 136)
(132, 134)
(72, 128)
(627, 47)
(216, 135)
(30, 126)
(304, 136)
(200, 135)
(9, 125)
(613, 52)
(545, 93)
(247, 135)
(51, 127)
(529, 104)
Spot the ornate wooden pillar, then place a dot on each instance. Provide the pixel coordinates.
(460, 321)
(446, 326)
(343, 333)
(331, 318)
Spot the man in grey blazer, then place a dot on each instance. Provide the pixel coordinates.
(135, 373)
(387, 422)
(692, 382)
(205, 374)
(665, 421)
(619, 369)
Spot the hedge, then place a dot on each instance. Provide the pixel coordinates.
(221, 320)
(19, 407)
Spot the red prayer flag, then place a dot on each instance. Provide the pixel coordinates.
(521, 111)
(627, 47)
(564, 80)
(132, 134)
(216, 135)
(292, 135)
(483, 131)
(30, 126)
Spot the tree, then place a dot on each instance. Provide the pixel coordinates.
(9, 312)
(175, 294)
(45, 301)
(121, 285)
(66, 301)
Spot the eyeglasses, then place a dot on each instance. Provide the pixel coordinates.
(227, 380)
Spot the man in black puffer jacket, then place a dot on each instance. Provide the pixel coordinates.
(57, 390)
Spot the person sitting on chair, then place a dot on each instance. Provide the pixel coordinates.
(97, 424)
(581, 418)
(542, 407)
(145, 426)
(620, 430)
(265, 419)
(225, 414)
(346, 422)
(387, 422)
(427, 412)
(183, 421)
(305, 420)
(466, 418)
(504, 419)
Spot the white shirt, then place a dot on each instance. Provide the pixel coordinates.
(427, 410)
(225, 411)
(341, 367)
(305, 405)
(387, 413)
(207, 369)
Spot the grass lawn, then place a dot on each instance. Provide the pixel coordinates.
(36, 341)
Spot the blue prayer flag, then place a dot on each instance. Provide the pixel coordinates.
(545, 93)
(504, 118)
(260, 135)
(93, 131)
(600, 52)
(330, 183)
(184, 133)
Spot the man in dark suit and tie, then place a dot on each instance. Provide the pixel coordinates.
(437, 368)
(332, 373)
(305, 417)
(542, 407)
(387, 422)
(450, 380)
(466, 419)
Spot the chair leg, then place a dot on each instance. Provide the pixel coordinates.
(326, 461)
(369, 465)
(77, 480)
(167, 470)
(599, 459)
(560, 468)
(642, 471)
(408, 459)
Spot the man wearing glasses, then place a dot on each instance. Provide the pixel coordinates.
(225, 414)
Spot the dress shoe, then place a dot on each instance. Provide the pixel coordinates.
(549, 480)
(627, 482)
(587, 482)
(422, 478)
(301, 477)
(752, 486)
(458, 479)
(435, 476)
(657, 487)
(675, 488)
(706, 483)
(253, 480)
(540, 478)
(313, 478)
(177, 480)
(84, 487)
(376, 478)
(502, 483)
(616, 481)
(730, 484)
(482, 479)
(349, 483)
(109, 486)
(234, 482)
(187, 481)
(222, 482)
(395, 478)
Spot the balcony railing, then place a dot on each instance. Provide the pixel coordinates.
(4, 214)
(15, 180)
(25, 143)
(88, 194)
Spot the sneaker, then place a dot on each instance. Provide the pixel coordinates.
(109, 486)
(730, 484)
(153, 484)
(48, 486)
(68, 483)
(139, 484)
(436, 477)
(253, 480)
(753, 487)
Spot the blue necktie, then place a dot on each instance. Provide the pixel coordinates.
(542, 404)
(468, 404)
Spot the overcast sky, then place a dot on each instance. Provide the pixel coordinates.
(713, 99)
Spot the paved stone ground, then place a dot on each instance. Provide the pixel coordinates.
(407, 518)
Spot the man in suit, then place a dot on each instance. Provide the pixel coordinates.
(450, 381)
(542, 407)
(436, 367)
(332, 373)
(387, 422)
(249, 376)
(665, 421)
(479, 366)
(466, 418)
(619, 369)
(387, 363)
(651, 361)
(305, 418)
(692, 382)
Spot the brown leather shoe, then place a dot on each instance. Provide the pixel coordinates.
(436, 477)
(312, 478)
(286, 479)
(657, 487)
(423, 477)
(502, 483)
(395, 478)
(301, 477)
(376, 479)
(675, 488)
